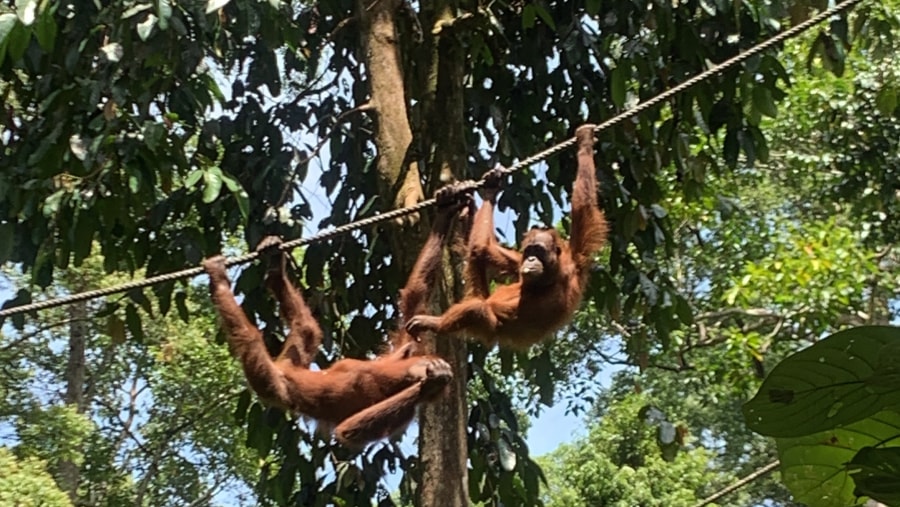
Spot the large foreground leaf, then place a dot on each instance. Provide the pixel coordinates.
(817, 468)
(844, 378)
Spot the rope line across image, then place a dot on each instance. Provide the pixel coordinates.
(464, 186)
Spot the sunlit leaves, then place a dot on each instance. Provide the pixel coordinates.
(886, 100)
(27, 11)
(27, 482)
(214, 5)
(619, 462)
(145, 28)
(7, 22)
(212, 184)
(822, 268)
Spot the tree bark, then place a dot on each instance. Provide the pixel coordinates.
(398, 178)
(68, 472)
(442, 449)
(442, 426)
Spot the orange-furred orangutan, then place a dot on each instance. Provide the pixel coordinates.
(552, 272)
(362, 400)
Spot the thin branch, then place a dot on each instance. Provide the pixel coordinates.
(213, 489)
(327, 137)
(39, 330)
(129, 420)
(761, 472)
(743, 312)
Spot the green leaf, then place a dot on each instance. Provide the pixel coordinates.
(138, 296)
(212, 180)
(545, 16)
(835, 382)
(617, 86)
(52, 203)
(7, 22)
(230, 183)
(529, 16)
(763, 101)
(213, 87)
(45, 30)
(17, 41)
(592, 7)
(6, 244)
(507, 455)
(134, 181)
(731, 148)
(133, 321)
(254, 419)
(154, 134)
(833, 56)
(816, 468)
(886, 100)
(193, 178)
(164, 9)
(817, 48)
(240, 412)
(543, 377)
(683, 310)
(136, 9)
(259, 433)
(876, 473)
(115, 329)
(181, 306)
(887, 370)
(83, 236)
(243, 201)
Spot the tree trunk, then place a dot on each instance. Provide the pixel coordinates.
(443, 451)
(393, 134)
(68, 471)
(443, 430)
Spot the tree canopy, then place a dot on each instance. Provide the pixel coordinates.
(139, 137)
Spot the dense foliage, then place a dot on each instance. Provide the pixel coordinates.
(775, 256)
(143, 135)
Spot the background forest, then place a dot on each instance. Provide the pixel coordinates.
(750, 216)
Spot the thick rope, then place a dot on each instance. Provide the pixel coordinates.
(233, 261)
(740, 483)
(462, 187)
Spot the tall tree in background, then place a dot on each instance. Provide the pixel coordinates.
(154, 423)
(120, 127)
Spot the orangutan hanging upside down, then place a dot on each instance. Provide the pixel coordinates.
(552, 272)
(363, 400)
